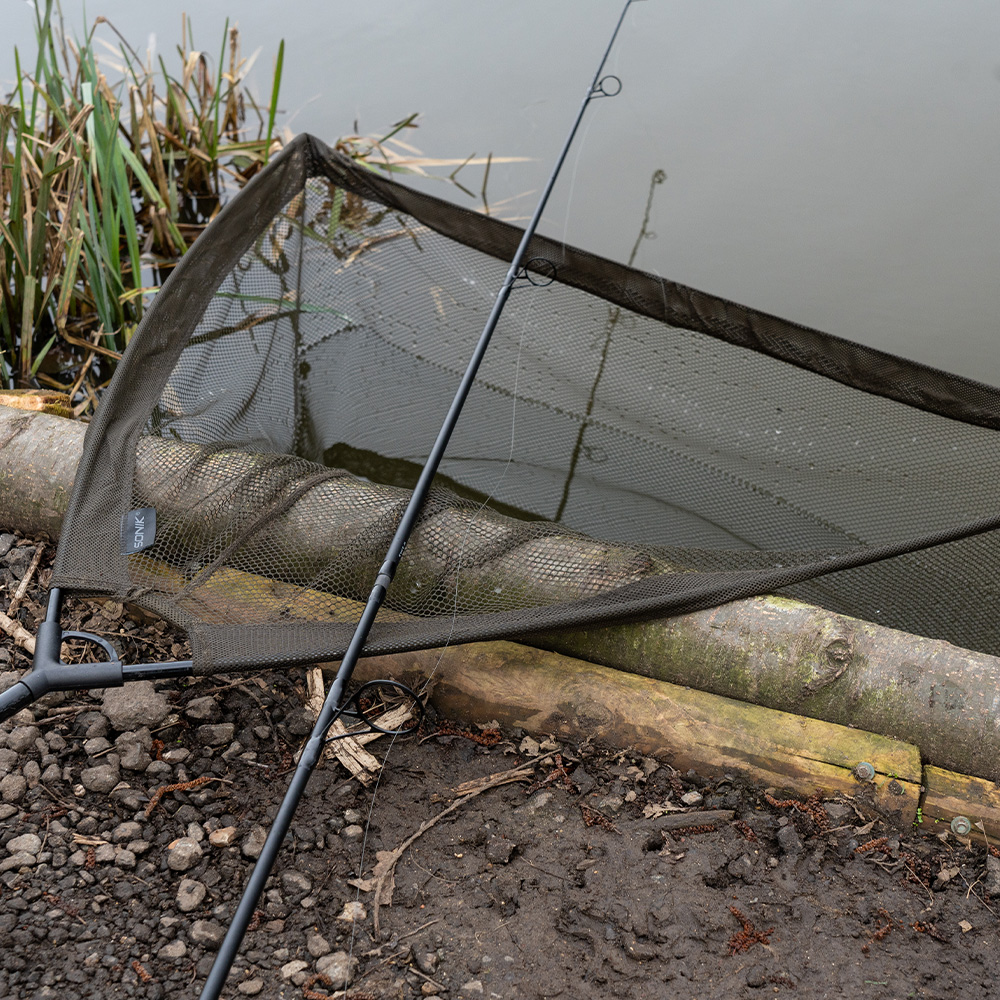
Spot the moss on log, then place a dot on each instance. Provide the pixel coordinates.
(799, 658)
(777, 653)
(949, 795)
(546, 693)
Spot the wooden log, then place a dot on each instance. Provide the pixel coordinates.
(544, 692)
(948, 795)
(39, 454)
(778, 653)
(799, 658)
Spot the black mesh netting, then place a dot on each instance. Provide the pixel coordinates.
(646, 448)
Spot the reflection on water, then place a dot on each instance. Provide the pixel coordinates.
(832, 163)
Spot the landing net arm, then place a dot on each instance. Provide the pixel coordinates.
(49, 673)
(607, 87)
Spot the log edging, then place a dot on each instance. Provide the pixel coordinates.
(546, 693)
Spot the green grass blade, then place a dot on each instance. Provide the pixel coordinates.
(272, 109)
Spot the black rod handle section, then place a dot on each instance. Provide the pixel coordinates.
(14, 699)
(310, 755)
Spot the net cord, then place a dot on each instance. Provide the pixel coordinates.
(313, 749)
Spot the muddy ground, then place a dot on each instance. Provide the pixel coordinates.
(598, 873)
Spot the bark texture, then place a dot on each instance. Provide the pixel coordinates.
(799, 658)
(39, 454)
(769, 651)
(546, 693)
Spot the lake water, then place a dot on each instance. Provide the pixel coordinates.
(836, 164)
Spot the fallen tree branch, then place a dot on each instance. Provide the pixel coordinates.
(18, 633)
(770, 651)
(22, 587)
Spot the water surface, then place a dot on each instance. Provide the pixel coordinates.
(836, 164)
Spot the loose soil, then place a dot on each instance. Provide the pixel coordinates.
(600, 873)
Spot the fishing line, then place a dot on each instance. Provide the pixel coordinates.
(333, 705)
(579, 156)
(424, 685)
(361, 860)
(482, 506)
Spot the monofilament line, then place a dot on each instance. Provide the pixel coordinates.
(312, 751)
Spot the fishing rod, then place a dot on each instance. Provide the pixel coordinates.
(606, 86)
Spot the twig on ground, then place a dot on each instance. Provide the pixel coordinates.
(22, 587)
(18, 633)
(381, 879)
(180, 786)
(349, 748)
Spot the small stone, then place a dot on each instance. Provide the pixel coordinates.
(223, 837)
(183, 853)
(94, 725)
(135, 705)
(104, 854)
(429, 990)
(207, 933)
(352, 832)
(692, 798)
(293, 968)
(741, 867)
(13, 787)
(29, 842)
(474, 987)
(124, 858)
(353, 912)
(251, 987)
(295, 883)
(353, 816)
(253, 843)
(215, 735)
(992, 883)
(141, 737)
(195, 831)
(32, 771)
(317, 945)
(499, 850)
(340, 967)
(427, 961)
(135, 758)
(204, 709)
(788, 838)
(22, 738)
(129, 830)
(190, 895)
(838, 812)
(100, 779)
(177, 755)
(22, 859)
(174, 949)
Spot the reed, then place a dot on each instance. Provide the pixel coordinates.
(109, 167)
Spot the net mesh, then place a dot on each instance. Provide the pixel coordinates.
(645, 448)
